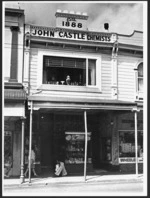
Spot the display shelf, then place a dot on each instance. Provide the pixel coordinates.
(75, 148)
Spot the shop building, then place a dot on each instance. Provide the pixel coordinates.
(14, 94)
(77, 77)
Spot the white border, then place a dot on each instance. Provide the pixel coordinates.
(145, 92)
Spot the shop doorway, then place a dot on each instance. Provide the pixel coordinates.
(46, 136)
(53, 128)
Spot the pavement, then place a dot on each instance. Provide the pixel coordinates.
(42, 181)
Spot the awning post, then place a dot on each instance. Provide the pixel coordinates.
(22, 152)
(85, 154)
(136, 110)
(136, 142)
(30, 141)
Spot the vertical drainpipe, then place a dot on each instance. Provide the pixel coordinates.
(22, 152)
(30, 141)
(85, 154)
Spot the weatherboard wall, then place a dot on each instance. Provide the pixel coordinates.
(126, 77)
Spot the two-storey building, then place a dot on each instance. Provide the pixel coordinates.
(14, 94)
(81, 80)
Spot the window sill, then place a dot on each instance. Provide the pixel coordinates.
(139, 96)
(69, 88)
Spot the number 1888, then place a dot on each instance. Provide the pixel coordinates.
(71, 24)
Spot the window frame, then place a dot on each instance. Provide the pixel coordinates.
(139, 77)
(96, 87)
(129, 159)
(138, 94)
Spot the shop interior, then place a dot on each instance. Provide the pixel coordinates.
(54, 128)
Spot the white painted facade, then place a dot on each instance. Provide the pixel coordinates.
(115, 76)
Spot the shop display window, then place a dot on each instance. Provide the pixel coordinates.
(127, 144)
(69, 71)
(8, 148)
(75, 148)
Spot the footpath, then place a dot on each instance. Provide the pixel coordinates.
(38, 181)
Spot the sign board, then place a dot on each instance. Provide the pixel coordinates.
(71, 23)
(69, 20)
(72, 35)
(125, 160)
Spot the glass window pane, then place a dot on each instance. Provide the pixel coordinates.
(140, 70)
(92, 72)
(57, 71)
(8, 155)
(127, 144)
(140, 84)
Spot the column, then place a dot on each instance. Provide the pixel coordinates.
(30, 142)
(136, 142)
(135, 110)
(114, 65)
(14, 55)
(26, 59)
(85, 154)
(22, 152)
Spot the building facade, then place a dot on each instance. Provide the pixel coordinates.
(73, 71)
(14, 94)
(84, 90)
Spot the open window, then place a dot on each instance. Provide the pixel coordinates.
(69, 71)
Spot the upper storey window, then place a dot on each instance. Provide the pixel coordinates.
(140, 77)
(69, 71)
(139, 81)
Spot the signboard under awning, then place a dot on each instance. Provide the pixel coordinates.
(125, 160)
(14, 110)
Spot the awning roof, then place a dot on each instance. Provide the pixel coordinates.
(14, 94)
(79, 103)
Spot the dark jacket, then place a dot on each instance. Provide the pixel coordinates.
(61, 155)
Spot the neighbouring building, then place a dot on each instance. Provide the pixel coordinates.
(14, 94)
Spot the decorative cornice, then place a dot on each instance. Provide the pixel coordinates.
(70, 30)
(130, 35)
(77, 16)
(14, 28)
(13, 85)
(13, 12)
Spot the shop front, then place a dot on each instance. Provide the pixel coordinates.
(56, 124)
(126, 135)
(14, 119)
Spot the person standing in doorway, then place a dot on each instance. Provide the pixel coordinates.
(32, 163)
(60, 166)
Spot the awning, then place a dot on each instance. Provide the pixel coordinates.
(14, 94)
(61, 102)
